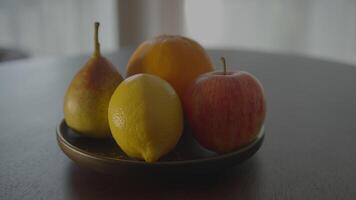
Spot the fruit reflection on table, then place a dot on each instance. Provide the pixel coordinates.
(169, 79)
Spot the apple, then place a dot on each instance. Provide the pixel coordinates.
(225, 110)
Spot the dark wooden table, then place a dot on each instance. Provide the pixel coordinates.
(309, 150)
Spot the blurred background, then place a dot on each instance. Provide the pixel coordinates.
(49, 28)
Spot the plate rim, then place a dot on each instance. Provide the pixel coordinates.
(62, 141)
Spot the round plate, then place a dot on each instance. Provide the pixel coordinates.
(104, 155)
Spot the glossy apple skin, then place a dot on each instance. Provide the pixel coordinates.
(225, 112)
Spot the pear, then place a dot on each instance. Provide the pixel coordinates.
(87, 99)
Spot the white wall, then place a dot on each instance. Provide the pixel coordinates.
(57, 28)
(333, 30)
(319, 28)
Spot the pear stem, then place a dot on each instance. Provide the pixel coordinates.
(224, 64)
(96, 40)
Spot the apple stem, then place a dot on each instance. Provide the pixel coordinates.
(224, 64)
(96, 40)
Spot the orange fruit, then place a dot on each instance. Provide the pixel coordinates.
(176, 59)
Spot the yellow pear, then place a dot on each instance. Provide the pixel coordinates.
(87, 99)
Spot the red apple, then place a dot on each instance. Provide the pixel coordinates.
(225, 110)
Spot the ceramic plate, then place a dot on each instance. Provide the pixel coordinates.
(104, 155)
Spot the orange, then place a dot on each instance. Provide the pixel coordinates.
(176, 59)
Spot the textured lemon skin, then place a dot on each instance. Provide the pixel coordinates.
(87, 98)
(145, 117)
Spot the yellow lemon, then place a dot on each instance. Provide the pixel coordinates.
(145, 117)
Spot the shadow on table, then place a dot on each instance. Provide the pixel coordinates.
(239, 181)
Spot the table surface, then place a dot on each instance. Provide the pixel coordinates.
(308, 153)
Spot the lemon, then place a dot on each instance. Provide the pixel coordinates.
(145, 117)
